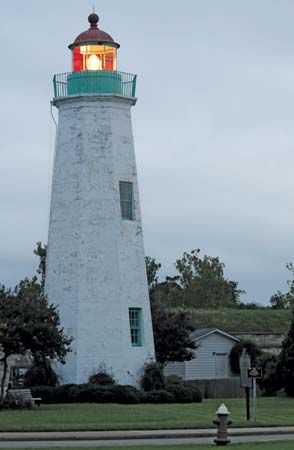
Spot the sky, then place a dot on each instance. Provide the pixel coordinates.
(213, 128)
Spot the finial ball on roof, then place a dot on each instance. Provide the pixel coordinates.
(93, 19)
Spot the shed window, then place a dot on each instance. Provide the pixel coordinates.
(135, 316)
(126, 200)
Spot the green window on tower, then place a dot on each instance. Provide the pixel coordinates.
(135, 315)
(126, 200)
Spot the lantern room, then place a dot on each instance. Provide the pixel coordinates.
(94, 67)
(94, 49)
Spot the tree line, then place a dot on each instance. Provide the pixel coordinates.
(200, 282)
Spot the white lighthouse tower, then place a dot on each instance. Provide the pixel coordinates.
(95, 261)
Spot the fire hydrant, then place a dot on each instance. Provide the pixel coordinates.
(222, 421)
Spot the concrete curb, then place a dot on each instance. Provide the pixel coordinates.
(140, 434)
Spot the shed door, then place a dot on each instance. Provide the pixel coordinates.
(221, 365)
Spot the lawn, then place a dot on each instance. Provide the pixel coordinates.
(277, 445)
(270, 412)
(246, 320)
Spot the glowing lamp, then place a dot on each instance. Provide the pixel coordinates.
(94, 49)
(93, 63)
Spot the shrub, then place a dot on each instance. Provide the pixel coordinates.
(46, 393)
(285, 365)
(270, 382)
(88, 393)
(252, 349)
(91, 393)
(160, 396)
(11, 402)
(152, 378)
(127, 394)
(41, 374)
(66, 393)
(197, 395)
(182, 394)
(101, 378)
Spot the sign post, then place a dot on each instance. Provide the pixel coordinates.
(254, 373)
(246, 383)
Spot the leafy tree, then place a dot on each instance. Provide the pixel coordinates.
(41, 251)
(284, 300)
(285, 366)
(152, 268)
(41, 374)
(269, 384)
(168, 293)
(29, 324)
(252, 349)
(172, 335)
(203, 283)
(280, 300)
(290, 283)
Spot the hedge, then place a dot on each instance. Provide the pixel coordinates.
(93, 393)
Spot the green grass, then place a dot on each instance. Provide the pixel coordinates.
(249, 320)
(277, 445)
(270, 412)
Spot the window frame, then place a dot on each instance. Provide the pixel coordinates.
(126, 202)
(136, 328)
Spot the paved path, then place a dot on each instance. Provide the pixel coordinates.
(144, 437)
(136, 442)
(138, 434)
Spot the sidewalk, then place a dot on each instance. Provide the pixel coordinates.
(144, 434)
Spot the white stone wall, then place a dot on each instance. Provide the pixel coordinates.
(95, 264)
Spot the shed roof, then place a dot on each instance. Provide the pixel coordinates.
(201, 333)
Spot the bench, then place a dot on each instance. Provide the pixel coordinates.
(23, 394)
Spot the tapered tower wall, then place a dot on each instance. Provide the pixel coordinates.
(95, 264)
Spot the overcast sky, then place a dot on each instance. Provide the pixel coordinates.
(213, 128)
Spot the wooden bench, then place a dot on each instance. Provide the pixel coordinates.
(24, 395)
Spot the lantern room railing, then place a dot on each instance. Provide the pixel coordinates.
(94, 82)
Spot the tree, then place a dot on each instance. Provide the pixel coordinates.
(168, 293)
(41, 374)
(284, 300)
(280, 300)
(285, 366)
(41, 251)
(252, 349)
(152, 268)
(29, 324)
(172, 335)
(203, 282)
(171, 329)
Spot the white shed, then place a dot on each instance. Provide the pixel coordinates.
(211, 356)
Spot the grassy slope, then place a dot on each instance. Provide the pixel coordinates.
(233, 320)
(279, 445)
(136, 417)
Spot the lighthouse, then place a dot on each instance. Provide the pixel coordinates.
(96, 271)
